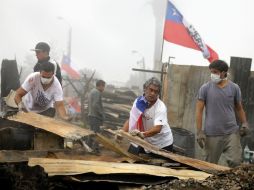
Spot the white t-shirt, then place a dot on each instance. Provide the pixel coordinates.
(157, 115)
(37, 99)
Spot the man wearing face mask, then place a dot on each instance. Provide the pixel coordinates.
(222, 100)
(40, 91)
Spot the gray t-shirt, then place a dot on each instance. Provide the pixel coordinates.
(95, 108)
(220, 107)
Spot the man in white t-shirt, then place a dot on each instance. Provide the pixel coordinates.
(152, 124)
(41, 91)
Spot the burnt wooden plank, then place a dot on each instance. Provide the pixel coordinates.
(58, 127)
(199, 164)
(114, 146)
(10, 156)
(73, 167)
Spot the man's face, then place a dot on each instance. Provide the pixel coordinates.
(46, 77)
(217, 72)
(152, 93)
(41, 55)
(101, 88)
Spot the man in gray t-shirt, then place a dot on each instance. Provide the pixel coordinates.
(95, 111)
(221, 99)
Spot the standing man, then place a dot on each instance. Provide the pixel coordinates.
(42, 50)
(95, 108)
(40, 91)
(148, 119)
(221, 98)
(95, 112)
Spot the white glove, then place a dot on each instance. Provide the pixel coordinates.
(136, 132)
(22, 107)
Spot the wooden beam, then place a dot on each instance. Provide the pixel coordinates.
(73, 167)
(10, 156)
(199, 164)
(114, 146)
(58, 127)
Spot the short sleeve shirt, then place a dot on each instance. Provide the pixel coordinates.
(220, 107)
(37, 99)
(157, 115)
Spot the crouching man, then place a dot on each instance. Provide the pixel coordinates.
(148, 119)
(42, 91)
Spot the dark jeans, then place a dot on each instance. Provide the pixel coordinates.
(140, 150)
(94, 125)
(51, 112)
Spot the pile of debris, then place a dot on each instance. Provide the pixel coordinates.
(241, 177)
(117, 104)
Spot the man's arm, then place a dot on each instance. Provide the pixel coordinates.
(19, 94)
(199, 113)
(240, 112)
(61, 110)
(126, 126)
(153, 131)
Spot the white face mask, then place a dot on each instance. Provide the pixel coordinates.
(215, 78)
(46, 80)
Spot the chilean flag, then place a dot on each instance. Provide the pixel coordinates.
(66, 67)
(178, 31)
(138, 108)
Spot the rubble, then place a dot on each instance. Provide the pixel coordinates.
(241, 177)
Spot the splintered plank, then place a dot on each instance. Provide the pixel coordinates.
(59, 127)
(10, 156)
(114, 146)
(73, 167)
(199, 164)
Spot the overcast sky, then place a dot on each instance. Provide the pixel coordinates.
(105, 32)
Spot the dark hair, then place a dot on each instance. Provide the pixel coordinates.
(153, 81)
(47, 67)
(100, 83)
(219, 65)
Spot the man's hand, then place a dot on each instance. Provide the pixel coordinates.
(118, 138)
(136, 132)
(244, 130)
(67, 118)
(22, 107)
(201, 139)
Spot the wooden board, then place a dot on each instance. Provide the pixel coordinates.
(114, 146)
(73, 167)
(59, 127)
(10, 156)
(199, 164)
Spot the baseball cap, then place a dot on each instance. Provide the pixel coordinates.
(41, 46)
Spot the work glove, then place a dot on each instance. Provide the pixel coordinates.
(201, 138)
(22, 107)
(67, 118)
(244, 129)
(136, 132)
(118, 137)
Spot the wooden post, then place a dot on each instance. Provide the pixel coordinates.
(241, 73)
(9, 77)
